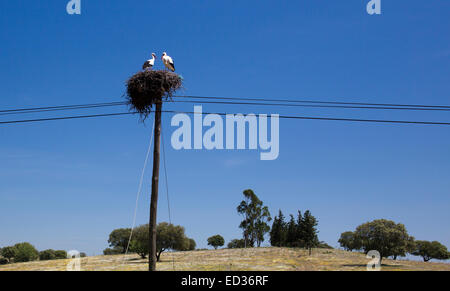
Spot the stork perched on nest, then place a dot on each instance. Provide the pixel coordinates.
(148, 65)
(168, 62)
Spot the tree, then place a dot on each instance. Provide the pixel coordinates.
(402, 250)
(347, 241)
(384, 236)
(118, 239)
(292, 237)
(25, 252)
(216, 241)
(278, 232)
(139, 241)
(47, 255)
(236, 244)
(190, 244)
(9, 252)
(168, 237)
(431, 250)
(61, 255)
(256, 216)
(308, 231)
(295, 233)
(112, 252)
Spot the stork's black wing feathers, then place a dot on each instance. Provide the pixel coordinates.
(173, 66)
(147, 65)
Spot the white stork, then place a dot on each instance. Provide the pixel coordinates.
(148, 65)
(168, 62)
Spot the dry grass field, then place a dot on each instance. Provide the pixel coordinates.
(262, 259)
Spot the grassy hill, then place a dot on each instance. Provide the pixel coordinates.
(261, 259)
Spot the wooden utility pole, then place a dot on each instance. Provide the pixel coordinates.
(154, 197)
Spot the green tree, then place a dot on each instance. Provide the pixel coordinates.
(347, 241)
(431, 250)
(61, 255)
(236, 244)
(402, 250)
(279, 231)
(4, 261)
(9, 252)
(308, 231)
(384, 236)
(47, 255)
(168, 237)
(112, 251)
(191, 244)
(139, 243)
(25, 252)
(292, 237)
(118, 239)
(216, 241)
(256, 216)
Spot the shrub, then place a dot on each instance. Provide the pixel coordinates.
(4, 261)
(61, 255)
(190, 244)
(47, 255)
(25, 252)
(236, 244)
(112, 252)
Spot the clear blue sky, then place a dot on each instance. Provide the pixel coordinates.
(67, 184)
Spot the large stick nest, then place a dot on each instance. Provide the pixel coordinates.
(148, 88)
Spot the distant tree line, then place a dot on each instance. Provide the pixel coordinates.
(26, 252)
(387, 237)
(390, 240)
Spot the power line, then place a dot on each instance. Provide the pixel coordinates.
(316, 106)
(63, 107)
(314, 101)
(112, 104)
(65, 118)
(224, 114)
(333, 119)
(58, 109)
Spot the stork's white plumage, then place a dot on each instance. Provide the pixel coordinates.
(148, 65)
(168, 62)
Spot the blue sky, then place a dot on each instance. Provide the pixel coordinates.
(67, 184)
